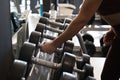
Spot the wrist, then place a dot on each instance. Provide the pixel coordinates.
(56, 43)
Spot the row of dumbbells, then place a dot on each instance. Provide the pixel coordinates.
(30, 50)
(46, 21)
(88, 39)
(67, 63)
(45, 27)
(19, 69)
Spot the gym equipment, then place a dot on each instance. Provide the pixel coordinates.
(68, 76)
(81, 60)
(88, 37)
(87, 47)
(65, 20)
(67, 63)
(17, 70)
(89, 43)
(35, 38)
(91, 49)
(89, 72)
(46, 14)
(53, 24)
(67, 47)
(42, 27)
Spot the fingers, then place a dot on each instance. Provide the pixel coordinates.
(108, 39)
(47, 47)
(41, 46)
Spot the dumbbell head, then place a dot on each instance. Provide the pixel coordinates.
(65, 20)
(88, 37)
(82, 60)
(68, 46)
(68, 76)
(42, 28)
(35, 37)
(68, 62)
(89, 69)
(46, 14)
(44, 20)
(18, 70)
(91, 49)
(86, 71)
(26, 52)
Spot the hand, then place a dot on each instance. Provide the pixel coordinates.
(108, 37)
(48, 47)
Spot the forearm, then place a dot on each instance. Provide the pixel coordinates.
(70, 31)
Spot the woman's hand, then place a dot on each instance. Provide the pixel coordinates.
(48, 47)
(108, 37)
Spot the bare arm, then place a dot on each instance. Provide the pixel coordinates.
(87, 10)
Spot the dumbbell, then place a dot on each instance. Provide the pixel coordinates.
(17, 70)
(89, 43)
(65, 20)
(68, 47)
(88, 37)
(46, 21)
(42, 27)
(68, 76)
(67, 63)
(46, 14)
(35, 37)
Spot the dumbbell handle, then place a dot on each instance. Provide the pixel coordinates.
(43, 26)
(54, 24)
(51, 37)
(78, 70)
(51, 64)
(47, 36)
(53, 29)
(59, 50)
(45, 63)
(57, 24)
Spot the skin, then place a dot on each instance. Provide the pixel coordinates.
(88, 9)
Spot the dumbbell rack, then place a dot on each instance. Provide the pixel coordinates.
(38, 72)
